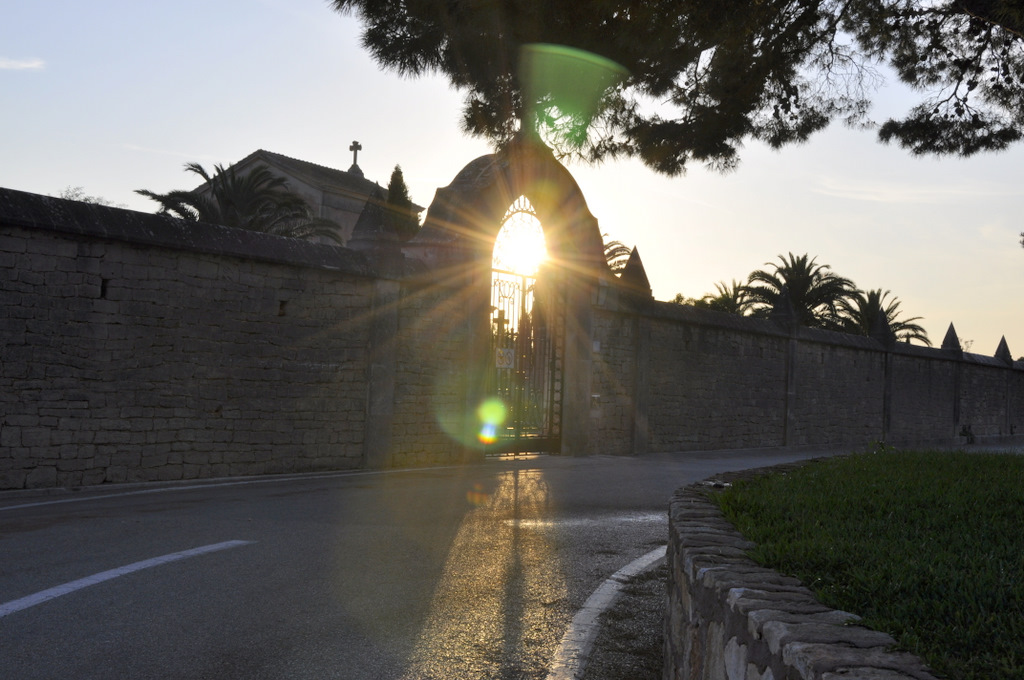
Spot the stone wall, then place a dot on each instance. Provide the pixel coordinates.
(984, 398)
(729, 619)
(924, 408)
(613, 384)
(704, 380)
(838, 391)
(434, 375)
(137, 348)
(714, 383)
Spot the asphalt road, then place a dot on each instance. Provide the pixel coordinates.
(468, 572)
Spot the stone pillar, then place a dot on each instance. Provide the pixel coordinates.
(635, 292)
(887, 390)
(951, 346)
(641, 387)
(478, 357)
(882, 332)
(1003, 354)
(789, 424)
(577, 370)
(785, 317)
(381, 360)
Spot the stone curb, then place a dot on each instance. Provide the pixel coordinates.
(730, 618)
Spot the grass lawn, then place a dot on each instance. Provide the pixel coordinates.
(926, 546)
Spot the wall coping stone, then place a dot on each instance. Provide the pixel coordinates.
(35, 211)
(730, 618)
(709, 318)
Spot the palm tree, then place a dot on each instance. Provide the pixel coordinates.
(616, 254)
(731, 298)
(257, 200)
(814, 290)
(861, 311)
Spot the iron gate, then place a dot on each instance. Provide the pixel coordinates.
(527, 347)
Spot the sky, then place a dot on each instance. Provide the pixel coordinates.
(117, 95)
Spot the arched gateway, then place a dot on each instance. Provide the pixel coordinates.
(530, 351)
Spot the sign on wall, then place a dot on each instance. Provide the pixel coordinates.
(504, 357)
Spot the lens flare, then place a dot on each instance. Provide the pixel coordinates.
(478, 496)
(491, 414)
(564, 89)
(475, 428)
(492, 411)
(488, 434)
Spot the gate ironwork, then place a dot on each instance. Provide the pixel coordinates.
(527, 346)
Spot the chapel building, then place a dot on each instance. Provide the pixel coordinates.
(336, 195)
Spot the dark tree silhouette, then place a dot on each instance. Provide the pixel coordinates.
(705, 76)
(400, 207)
(815, 292)
(70, 193)
(731, 298)
(257, 200)
(616, 254)
(860, 311)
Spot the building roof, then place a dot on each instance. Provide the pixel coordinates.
(319, 176)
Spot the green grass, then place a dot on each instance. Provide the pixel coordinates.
(926, 546)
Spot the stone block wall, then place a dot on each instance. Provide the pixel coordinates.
(1016, 405)
(135, 347)
(728, 618)
(984, 398)
(713, 383)
(838, 390)
(924, 407)
(128, 362)
(704, 380)
(613, 384)
(434, 374)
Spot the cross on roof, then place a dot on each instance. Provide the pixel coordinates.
(355, 149)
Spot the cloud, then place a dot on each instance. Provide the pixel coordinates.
(894, 192)
(21, 64)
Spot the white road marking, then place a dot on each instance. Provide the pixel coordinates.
(72, 586)
(571, 657)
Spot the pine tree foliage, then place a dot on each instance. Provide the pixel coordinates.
(706, 76)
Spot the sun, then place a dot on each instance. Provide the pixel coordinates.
(520, 247)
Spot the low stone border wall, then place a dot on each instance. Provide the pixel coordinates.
(730, 619)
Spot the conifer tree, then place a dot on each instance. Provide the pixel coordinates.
(400, 207)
